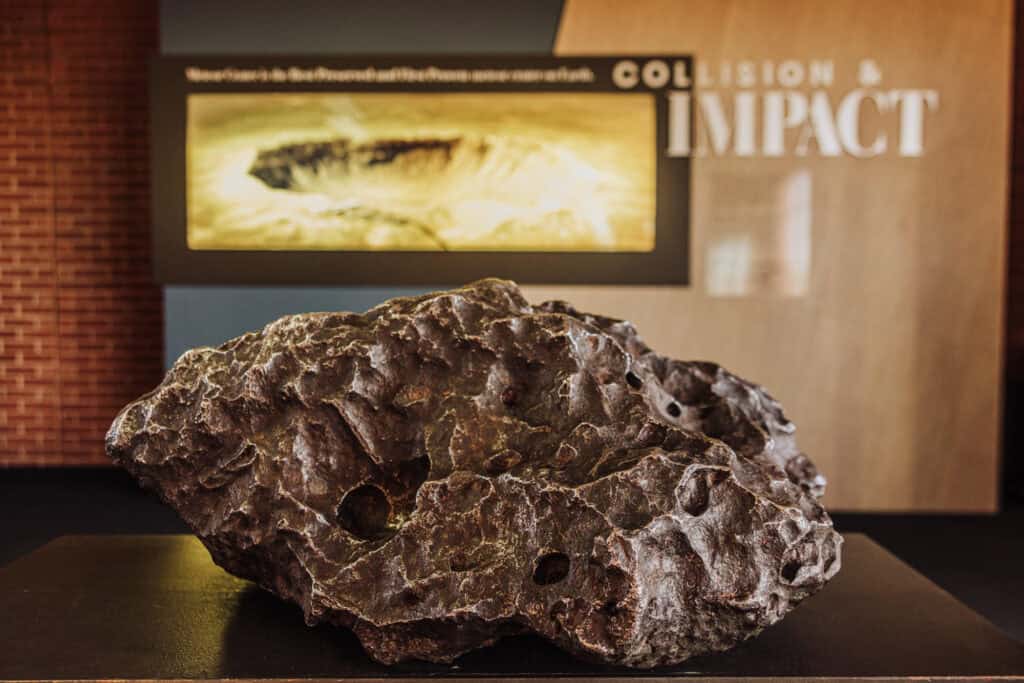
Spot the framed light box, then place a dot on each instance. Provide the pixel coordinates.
(425, 170)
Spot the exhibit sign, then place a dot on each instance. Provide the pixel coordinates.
(849, 226)
(407, 170)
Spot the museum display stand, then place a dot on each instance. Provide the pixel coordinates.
(156, 607)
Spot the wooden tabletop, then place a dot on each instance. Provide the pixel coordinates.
(156, 607)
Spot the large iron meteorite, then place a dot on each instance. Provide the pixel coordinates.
(448, 469)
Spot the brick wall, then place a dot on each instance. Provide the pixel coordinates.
(80, 318)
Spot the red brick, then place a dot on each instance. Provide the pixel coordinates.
(80, 318)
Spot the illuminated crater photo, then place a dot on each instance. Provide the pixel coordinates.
(422, 172)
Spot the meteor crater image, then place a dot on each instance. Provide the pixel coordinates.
(421, 172)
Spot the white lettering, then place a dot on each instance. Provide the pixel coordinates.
(782, 111)
(746, 113)
(746, 75)
(821, 128)
(625, 74)
(791, 73)
(821, 73)
(680, 78)
(913, 104)
(656, 74)
(678, 124)
(716, 122)
(704, 79)
(798, 116)
(848, 118)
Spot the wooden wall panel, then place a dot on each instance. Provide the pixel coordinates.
(889, 356)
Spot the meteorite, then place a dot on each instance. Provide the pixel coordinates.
(448, 469)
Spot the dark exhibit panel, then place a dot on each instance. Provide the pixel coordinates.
(420, 169)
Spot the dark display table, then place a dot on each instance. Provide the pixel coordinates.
(156, 607)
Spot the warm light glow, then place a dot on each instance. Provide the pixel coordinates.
(761, 245)
(464, 171)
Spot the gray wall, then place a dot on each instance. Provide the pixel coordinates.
(198, 316)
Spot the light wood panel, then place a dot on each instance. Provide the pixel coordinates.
(888, 354)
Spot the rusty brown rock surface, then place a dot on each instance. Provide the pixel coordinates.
(448, 469)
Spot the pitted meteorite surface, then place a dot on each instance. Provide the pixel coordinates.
(448, 469)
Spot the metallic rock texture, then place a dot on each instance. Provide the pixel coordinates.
(449, 469)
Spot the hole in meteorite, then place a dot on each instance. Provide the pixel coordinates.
(364, 512)
(790, 570)
(551, 568)
(696, 492)
(509, 396)
(412, 473)
(673, 409)
(411, 598)
(634, 380)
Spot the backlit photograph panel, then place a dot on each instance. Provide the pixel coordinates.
(408, 170)
(421, 171)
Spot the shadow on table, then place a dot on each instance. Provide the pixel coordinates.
(267, 637)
